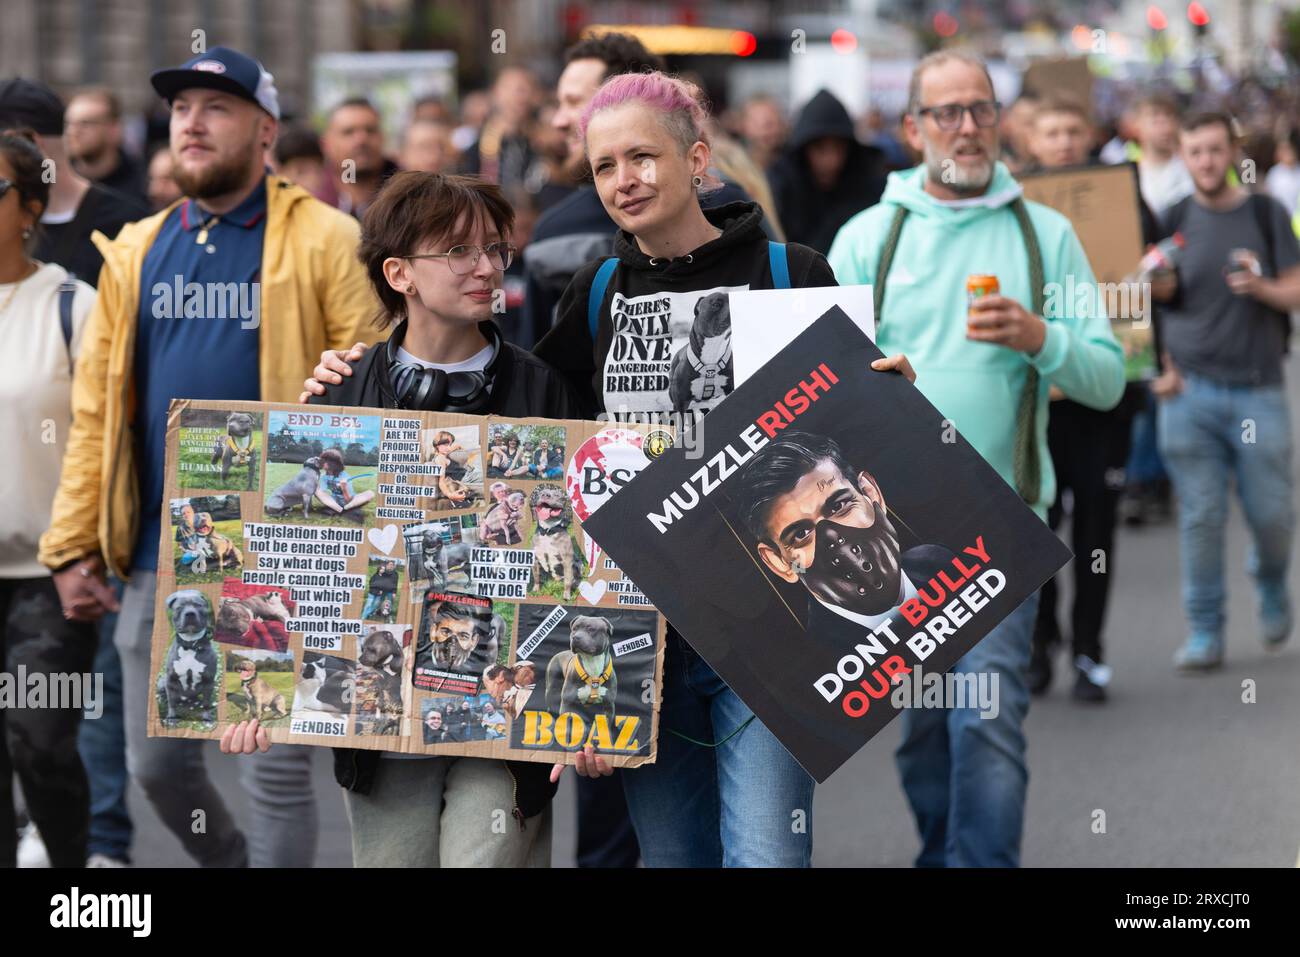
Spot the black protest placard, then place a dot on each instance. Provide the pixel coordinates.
(829, 534)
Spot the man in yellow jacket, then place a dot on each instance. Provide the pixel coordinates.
(282, 271)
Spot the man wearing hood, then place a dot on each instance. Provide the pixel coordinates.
(988, 368)
(825, 175)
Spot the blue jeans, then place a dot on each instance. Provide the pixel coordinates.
(1144, 463)
(102, 743)
(964, 775)
(1210, 434)
(746, 803)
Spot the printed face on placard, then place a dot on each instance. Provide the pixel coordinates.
(459, 638)
(816, 525)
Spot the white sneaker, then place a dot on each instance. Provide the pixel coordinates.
(31, 849)
(103, 860)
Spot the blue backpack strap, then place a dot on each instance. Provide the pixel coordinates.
(67, 292)
(597, 294)
(780, 264)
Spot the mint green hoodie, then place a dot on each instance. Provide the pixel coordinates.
(977, 385)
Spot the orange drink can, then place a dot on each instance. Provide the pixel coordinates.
(977, 286)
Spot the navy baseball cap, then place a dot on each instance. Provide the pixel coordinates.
(221, 68)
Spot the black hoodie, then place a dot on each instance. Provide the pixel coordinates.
(672, 353)
(810, 215)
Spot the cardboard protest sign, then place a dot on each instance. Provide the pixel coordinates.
(833, 535)
(401, 581)
(1102, 203)
(1070, 76)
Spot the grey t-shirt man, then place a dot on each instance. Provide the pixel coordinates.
(1209, 330)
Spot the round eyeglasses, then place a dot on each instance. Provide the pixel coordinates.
(463, 259)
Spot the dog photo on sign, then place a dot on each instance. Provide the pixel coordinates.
(380, 661)
(438, 553)
(258, 684)
(326, 686)
(321, 468)
(219, 450)
(583, 679)
(558, 562)
(254, 616)
(207, 538)
(186, 684)
(526, 452)
(508, 520)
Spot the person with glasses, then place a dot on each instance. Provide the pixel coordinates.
(987, 365)
(435, 247)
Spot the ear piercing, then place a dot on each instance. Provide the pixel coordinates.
(697, 181)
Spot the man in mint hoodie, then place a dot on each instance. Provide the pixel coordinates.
(988, 371)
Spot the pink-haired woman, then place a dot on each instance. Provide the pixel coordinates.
(730, 801)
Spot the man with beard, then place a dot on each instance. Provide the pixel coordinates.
(455, 630)
(355, 165)
(94, 138)
(987, 364)
(240, 229)
(823, 523)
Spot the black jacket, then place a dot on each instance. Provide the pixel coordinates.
(383, 581)
(69, 245)
(523, 386)
(812, 216)
(738, 259)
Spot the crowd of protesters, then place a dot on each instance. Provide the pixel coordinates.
(535, 187)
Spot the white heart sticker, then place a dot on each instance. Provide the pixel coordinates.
(593, 592)
(384, 539)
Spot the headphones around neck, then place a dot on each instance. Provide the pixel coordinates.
(422, 389)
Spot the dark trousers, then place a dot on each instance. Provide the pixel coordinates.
(40, 741)
(1089, 451)
(605, 834)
